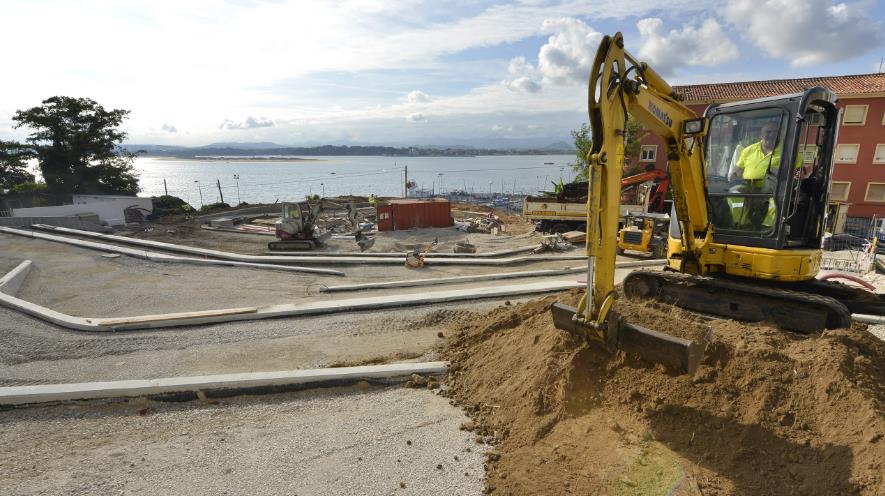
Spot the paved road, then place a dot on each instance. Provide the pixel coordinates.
(355, 441)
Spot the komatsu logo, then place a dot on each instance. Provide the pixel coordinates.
(660, 114)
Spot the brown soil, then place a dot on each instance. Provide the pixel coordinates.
(768, 412)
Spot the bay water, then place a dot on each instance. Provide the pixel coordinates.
(266, 181)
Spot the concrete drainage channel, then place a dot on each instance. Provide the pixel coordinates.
(215, 386)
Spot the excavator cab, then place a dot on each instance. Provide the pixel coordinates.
(768, 169)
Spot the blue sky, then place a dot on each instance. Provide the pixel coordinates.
(408, 72)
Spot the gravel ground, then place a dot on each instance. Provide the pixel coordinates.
(81, 282)
(379, 441)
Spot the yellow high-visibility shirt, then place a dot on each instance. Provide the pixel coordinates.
(755, 163)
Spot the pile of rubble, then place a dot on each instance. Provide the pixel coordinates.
(488, 224)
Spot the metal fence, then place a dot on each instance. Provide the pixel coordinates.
(854, 250)
(5, 213)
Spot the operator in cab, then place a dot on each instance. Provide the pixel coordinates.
(757, 165)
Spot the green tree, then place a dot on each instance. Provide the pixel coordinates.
(14, 163)
(77, 144)
(583, 143)
(632, 146)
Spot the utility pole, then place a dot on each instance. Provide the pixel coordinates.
(406, 182)
(237, 178)
(201, 193)
(165, 189)
(218, 182)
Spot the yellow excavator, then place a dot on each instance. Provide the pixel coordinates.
(750, 184)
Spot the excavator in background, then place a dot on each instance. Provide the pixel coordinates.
(748, 213)
(646, 231)
(297, 227)
(566, 211)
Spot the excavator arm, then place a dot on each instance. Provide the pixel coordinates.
(662, 181)
(619, 85)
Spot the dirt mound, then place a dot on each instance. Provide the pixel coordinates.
(768, 412)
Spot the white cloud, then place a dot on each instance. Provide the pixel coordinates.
(417, 96)
(169, 128)
(249, 123)
(523, 84)
(807, 32)
(519, 67)
(707, 45)
(523, 76)
(416, 118)
(568, 53)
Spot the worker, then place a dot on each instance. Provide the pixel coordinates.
(373, 200)
(757, 164)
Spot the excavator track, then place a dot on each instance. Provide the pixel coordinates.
(792, 310)
(855, 299)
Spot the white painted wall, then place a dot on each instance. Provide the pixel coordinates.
(108, 208)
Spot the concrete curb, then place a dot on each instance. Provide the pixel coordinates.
(159, 257)
(216, 385)
(401, 254)
(868, 319)
(281, 259)
(275, 311)
(13, 280)
(482, 277)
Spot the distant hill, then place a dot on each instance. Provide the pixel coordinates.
(272, 149)
(263, 145)
(560, 146)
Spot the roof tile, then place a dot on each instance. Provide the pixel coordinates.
(858, 84)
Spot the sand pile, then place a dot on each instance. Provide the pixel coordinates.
(768, 412)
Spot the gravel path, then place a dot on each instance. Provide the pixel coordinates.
(379, 441)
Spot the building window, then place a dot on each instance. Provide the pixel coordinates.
(875, 192)
(648, 153)
(879, 157)
(855, 115)
(809, 154)
(847, 154)
(839, 190)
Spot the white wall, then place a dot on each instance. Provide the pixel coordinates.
(108, 208)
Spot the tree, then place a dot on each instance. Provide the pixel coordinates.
(632, 146)
(583, 143)
(13, 164)
(77, 144)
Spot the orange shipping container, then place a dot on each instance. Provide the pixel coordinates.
(397, 215)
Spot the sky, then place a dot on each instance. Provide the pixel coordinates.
(401, 73)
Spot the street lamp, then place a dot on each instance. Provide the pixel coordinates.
(440, 175)
(201, 193)
(324, 188)
(237, 178)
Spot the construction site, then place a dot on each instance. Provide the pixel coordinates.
(519, 408)
(719, 340)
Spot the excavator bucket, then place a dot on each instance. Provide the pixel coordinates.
(676, 354)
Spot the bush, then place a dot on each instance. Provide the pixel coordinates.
(170, 205)
(213, 206)
(29, 188)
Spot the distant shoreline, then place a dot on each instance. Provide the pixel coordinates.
(237, 158)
